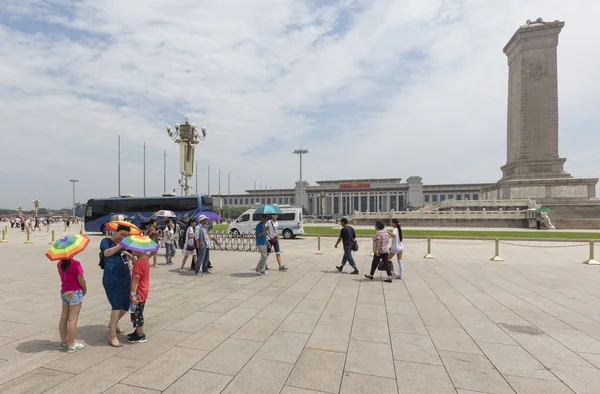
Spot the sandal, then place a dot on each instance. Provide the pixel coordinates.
(119, 330)
(114, 342)
(77, 346)
(63, 346)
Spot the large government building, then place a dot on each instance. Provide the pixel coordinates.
(344, 197)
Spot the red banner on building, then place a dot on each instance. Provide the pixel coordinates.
(355, 185)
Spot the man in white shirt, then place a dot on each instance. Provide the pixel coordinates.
(273, 240)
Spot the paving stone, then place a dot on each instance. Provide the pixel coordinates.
(126, 389)
(329, 338)
(100, 378)
(318, 370)
(474, 372)
(86, 358)
(314, 307)
(166, 369)
(407, 324)
(454, 339)
(36, 381)
(353, 383)
(302, 323)
(229, 357)
(337, 317)
(260, 377)
(296, 390)
(536, 386)
(369, 358)
(283, 346)
(370, 330)
(575, 340)
(416, 378)
(487, 331)
(209, 337)
(582, 380)
(514, 360)
(371, 312)
(257, 329)
(182, 310)
(200, 382)
(414, 348)
(546, 349)
(237, 317)
(18, 366)
(195, 322)
(276, 311)
(156, 345)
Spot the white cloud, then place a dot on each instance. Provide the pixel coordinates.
(399, 88)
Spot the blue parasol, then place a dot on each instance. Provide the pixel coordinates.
(268, 209)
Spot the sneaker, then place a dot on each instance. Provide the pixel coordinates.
(182, 270)
(264, 273)
(267, 268)
(137, 338)
(284, 268)
(340, 268)
(131, 335)
(369, 277)
(355, 272)
(388, 280)
(78, 346)
(198, 274)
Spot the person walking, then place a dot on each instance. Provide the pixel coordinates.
(168, 239)
(397, 248)
(140, 286)
(261, 245)
(73, 289)
(152, 232)
(347, 237)
(273, 241)
(116, 280)
(37, 224)
(380, 251)
(202, 246)
(189, 246)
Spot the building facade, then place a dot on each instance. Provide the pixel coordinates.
(344, 197)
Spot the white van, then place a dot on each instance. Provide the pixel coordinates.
(290, 223)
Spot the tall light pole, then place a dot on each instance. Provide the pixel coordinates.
(301, 152)
(165, 172)
(36, 206)
(323, 195)
(228, 195)
(196, 189)
(74, 181)
(144, 169)
(118, 175)
(186, 135)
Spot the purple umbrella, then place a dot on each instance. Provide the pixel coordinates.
(212, 217)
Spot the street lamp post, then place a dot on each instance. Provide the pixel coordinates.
(36, 206)
(301, 152)
(323, 195)
(186, 135)
(74, 181)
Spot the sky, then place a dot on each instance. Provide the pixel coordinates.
(372, 88)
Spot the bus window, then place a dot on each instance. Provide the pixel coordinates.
(206, 201)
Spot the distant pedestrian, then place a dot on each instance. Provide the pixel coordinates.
(22, 224)
(140, 286)
(273, 241)
(261, 244)
(347, 238)
(168, 239)
(380, 252)
(152, 232)
(202, 246)
(189, 247)
(397, 248)
(73, 289)
(37, 224)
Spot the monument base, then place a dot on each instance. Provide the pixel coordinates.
(571, 189)
(535, 169)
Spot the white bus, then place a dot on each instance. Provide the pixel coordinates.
(290, 223)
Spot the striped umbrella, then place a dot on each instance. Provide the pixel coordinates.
(67, 247)
(139, 243)
(134, 230)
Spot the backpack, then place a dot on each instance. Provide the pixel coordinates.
(102, 263)
(182, 239)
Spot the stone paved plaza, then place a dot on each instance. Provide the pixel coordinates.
(457, 324)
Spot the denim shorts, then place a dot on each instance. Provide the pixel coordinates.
(73, 297)
(273, 245)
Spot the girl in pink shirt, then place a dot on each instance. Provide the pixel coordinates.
(73, 288)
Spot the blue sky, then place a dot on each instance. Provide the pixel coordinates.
(387, 88)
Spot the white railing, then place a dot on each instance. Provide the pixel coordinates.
(518, 214)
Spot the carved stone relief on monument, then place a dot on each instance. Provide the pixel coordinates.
(528, 192)
(538, 71)
(569, 191)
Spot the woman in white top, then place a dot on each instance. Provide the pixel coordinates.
(273, 241)
(190, 247)
(397, 247)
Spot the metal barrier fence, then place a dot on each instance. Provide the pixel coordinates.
(246, 242)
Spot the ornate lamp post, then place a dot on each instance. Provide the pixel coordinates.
(186, 135)
(36, 206)
(20, 209)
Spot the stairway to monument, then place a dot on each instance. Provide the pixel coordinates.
(580, 215)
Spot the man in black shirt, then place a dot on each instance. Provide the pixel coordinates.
(347, 237)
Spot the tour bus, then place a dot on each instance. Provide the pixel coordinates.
(140, 210)
(290, 223)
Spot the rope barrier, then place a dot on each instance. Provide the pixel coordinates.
(542, 246)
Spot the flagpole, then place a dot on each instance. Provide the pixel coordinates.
(144, 169)
(119, 169)
(228, 195)
(165, 172)
(208, 180)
